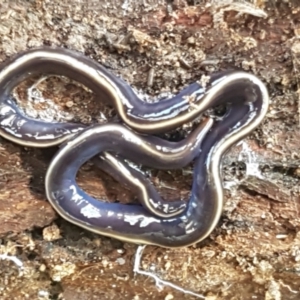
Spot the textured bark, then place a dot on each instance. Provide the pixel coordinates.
(254, 253)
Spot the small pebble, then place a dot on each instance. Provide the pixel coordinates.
(69, 104)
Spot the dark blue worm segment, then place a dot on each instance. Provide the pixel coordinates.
(148, 118)
(245, 95)
(248, 104)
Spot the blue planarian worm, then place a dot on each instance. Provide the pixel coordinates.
(153, 222)
(17, 127)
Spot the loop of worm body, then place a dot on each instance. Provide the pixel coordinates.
(156, 221)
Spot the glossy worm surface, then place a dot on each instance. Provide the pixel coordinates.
(150, 118)
(155, 221)
(17, 127)
(144, 117)
(132, 222)
(159, 154)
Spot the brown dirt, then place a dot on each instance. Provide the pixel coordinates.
(254, 253)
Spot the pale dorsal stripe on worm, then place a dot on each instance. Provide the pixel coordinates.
(15, 126)
(149, 118)
(171, 155)
(133, 223)
(168, 114)
(234, 87)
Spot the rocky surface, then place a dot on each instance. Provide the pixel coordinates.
(158, 47)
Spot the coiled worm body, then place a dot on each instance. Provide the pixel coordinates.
(149, 118)
(17, 127)
(151, 223)
(160, 154)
